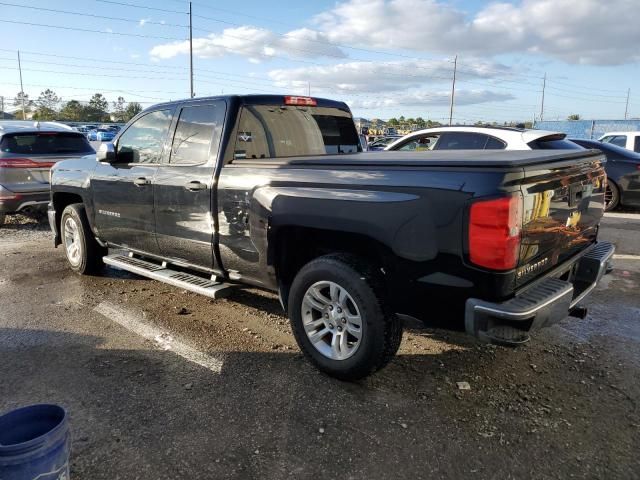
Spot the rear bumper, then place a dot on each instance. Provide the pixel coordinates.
(14, 202)
(544, 304)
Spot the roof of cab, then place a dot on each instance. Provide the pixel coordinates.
(10, 126)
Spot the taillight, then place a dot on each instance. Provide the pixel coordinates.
(23, 163)
(494, 232)
(308, 101)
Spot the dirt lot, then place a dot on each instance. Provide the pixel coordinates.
(162, 383)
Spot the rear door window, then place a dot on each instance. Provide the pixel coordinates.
(461, 141)
(45, 143)
(271, 131)
(198, 128)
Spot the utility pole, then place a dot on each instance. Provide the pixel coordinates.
(453, 89)
(544, 86)
(2, 106)
(24, 115)
(191, 49)
(309, 91)
(626, 107)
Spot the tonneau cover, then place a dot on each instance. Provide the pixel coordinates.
(444, 158)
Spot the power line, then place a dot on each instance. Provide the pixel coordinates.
(67, 12)
(141, 6)
(86, 30)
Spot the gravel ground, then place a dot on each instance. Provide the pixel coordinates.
(563, 406)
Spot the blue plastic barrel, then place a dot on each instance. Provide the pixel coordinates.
(35, 443)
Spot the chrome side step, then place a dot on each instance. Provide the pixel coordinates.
(163, 273)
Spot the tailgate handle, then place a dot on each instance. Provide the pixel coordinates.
(195, 186)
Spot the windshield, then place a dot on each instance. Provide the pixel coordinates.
(269, 131)
(43, 143)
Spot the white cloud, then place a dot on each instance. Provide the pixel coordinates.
(143, 21)
(576, 31)
(382, 76)
(429, 99)
(255, 43)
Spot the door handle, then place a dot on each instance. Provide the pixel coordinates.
(195, 186)
(140, 181)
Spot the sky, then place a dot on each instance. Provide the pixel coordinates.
(385, 58)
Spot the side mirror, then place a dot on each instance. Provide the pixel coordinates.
(106, 153)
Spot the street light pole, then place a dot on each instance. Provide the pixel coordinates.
(24, 115)
(191, 49)
(453, 89)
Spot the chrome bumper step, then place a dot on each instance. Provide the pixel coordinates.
(163, 273)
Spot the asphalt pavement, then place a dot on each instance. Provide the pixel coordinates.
(162, 383)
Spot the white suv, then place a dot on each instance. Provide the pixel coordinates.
(482, 138)
(628, 140)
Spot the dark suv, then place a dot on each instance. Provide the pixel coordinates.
(28, 150)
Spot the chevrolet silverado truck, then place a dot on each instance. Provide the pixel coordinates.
(273, 192)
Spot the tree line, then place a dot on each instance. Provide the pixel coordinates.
(49, 106)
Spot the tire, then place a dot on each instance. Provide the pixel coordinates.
(343, 351)
(3, 216)
(83, 252)
(611, 196)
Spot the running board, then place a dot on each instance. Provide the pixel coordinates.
(162, 273)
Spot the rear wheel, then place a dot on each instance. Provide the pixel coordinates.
(339, 319)
(84, 254)
(611, 196)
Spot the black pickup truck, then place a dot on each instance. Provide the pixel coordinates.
(272, 191)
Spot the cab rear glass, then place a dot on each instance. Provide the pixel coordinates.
(271, 131)
(44, 143)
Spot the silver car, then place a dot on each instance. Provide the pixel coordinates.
(27, 152)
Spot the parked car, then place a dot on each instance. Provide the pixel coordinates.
(92, 135)
(105, 135)
(628, 140)
(381, 142)
(27, 152)
(481, 138)
(623, 173)
(270, 191)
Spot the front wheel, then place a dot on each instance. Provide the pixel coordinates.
(84, 254)
(339, 317)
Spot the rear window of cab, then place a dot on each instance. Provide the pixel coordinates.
(44, 143)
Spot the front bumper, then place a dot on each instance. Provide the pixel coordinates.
(545, 303)
(53, 223)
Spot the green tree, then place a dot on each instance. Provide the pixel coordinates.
(18, 102)
(393, 122)
(72, 111)
(420, 122)
(131, 111)
(97, 110)
(47, 105)
(119, 107)
(573, 116)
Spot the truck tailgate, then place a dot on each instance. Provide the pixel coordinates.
(563, 205)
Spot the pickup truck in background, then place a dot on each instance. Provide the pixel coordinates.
(272, 191)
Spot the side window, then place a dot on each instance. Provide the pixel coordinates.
(420, 144)
(494, 144)
(620, 140)
(198, 128)
(143, 141)
(461, 141)
(636, 146)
